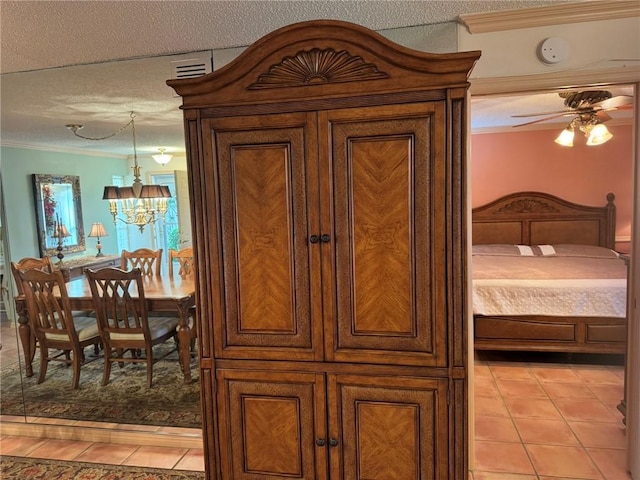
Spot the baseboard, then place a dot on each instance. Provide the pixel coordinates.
(102, 435)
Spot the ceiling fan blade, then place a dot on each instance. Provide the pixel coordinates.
(542, 119)
(603, 116)
(614, 102)
(524, 115)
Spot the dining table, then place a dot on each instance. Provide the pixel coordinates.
(171, 295)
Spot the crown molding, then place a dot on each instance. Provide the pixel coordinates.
(556, 80)
(55, 149)
(586, 11)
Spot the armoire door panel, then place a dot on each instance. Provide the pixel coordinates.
(388, 183)
(265, 202)
(261, 194)
(391, 428)
(270, 424)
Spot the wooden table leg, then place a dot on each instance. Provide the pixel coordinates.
(184, 343)
(27, 339)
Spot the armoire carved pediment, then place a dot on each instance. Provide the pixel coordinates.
(318, 66)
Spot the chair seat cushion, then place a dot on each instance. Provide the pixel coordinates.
(86, 328)
(158, 326)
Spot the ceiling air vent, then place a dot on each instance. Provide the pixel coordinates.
(191, 67)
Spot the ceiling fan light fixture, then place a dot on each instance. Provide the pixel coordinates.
(599, 134)
(162, 158)
(565, 138)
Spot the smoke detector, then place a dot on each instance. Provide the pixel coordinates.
(553, 50)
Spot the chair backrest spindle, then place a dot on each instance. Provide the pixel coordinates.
(184, 258)
(147, 260)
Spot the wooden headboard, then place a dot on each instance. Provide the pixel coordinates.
(535, 218)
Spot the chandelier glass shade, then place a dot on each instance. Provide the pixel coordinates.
(137, 204)
(566, 137)
(162, 158)
(599, 134)
(595, 131)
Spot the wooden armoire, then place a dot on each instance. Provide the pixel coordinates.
(328, 200)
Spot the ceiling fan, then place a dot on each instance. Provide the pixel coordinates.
(589, 111)
(588, 102)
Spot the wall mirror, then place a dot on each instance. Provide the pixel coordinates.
(58, 213)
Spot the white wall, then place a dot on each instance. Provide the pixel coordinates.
(597, 45)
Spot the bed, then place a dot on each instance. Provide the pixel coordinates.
(528, 293)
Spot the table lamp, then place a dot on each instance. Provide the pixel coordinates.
(60, 232)
(97, 230)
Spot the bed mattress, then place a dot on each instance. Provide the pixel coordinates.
(551, 280)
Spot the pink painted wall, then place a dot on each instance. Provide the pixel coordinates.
(508, 162)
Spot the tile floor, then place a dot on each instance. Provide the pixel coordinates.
(534, 420)
(541, 420)
(111, 453)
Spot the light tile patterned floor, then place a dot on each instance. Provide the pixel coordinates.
(538, 419)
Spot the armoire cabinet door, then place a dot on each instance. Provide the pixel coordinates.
(384, 178)
(388, 428)
(272, 425)
(265, 170)
(336, 426)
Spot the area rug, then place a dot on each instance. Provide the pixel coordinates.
(20, 468)
(125, 399)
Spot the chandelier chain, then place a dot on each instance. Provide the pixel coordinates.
(117, 132)
(139, 204)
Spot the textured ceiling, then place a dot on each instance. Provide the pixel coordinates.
(85, 37)
(45, 34)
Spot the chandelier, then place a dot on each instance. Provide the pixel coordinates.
(138, 204)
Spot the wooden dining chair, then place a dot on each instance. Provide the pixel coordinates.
(53, 324)
(184, 258)
(29, 263)
(43, 264)
(147, 260)
(124, 324)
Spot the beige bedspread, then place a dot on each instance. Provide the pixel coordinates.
(576, 284)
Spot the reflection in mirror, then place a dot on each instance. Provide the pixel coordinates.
(58, 214)
(10, 362)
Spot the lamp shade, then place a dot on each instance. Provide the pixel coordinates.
(166, 193)
(126, 192)
(97, 230)
(151, 191)
(565, 138)
(110, 193)
(598, 135)
(61, 231)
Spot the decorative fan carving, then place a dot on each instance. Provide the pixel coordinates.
(527, 206)
(317, 67)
